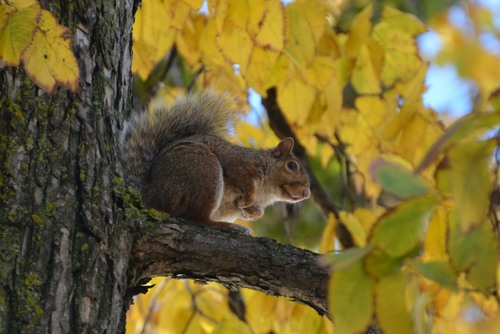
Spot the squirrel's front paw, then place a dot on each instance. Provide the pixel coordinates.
(245, 202)
(252, 213)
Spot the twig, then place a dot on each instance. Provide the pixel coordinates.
(282, 129)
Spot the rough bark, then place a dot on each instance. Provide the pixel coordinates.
(64, 241)
(181, 249)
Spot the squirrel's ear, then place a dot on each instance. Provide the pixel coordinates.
(285, 147)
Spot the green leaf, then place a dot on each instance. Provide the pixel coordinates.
(392, 313)
(474, 123)
(494, 99)
(397, 179)
(444, 180)
(474, 252)
(438, 271)
(345, 259)
(472, 182)
(351, 299)
(378, 263)
(402, 229)
(17, 34)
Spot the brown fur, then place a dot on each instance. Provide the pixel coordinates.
(200, 176)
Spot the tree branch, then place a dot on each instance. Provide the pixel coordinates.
(181, 249)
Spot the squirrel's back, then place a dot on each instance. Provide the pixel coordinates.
(147, 133)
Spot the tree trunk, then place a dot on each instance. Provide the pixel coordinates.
(64, 241)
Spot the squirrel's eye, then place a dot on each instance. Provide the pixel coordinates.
(292, 166)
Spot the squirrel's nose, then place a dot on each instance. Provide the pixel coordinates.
(306, 193)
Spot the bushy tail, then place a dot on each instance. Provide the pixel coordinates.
(145, 134)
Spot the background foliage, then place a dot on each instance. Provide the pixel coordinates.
(413, 192)
(418, 196)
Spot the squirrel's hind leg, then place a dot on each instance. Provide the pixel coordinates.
(185, 181)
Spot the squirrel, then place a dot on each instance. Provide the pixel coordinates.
(179, 160)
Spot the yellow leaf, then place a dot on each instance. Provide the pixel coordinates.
(6, 11)
(235, 44)
(327, 239)
(472, 181)
(487, 72)
(194, 4)
(49, 60)
(309, 142)
(211, 55)
(408, 23)
(305, 25)
(329, 45)
(392, 313)
(157, 19)
(283, 69)
(355, 227)
(351, 298)
(180, 13)
(359, 32)
(364, 77)
(416, 136)
(320, 72)
(364, 146)
(436, 237)
(487, 304)
(176, 308)
(413, 89)
(314, 12)
(331, 94)
(220, 7)
(249, 134)
(326, 155)
(448, 306)
(219, 79)
(143, 58)
(271, 27)
(262, 63)
(295, 99)
(240, 13)
(152, 35)
(395, 35)
(374, 111)
(257, 305)
(369, 217)
(188, 39)
(317, 110)
(302, 319)
(401, 57)
(17, 28)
